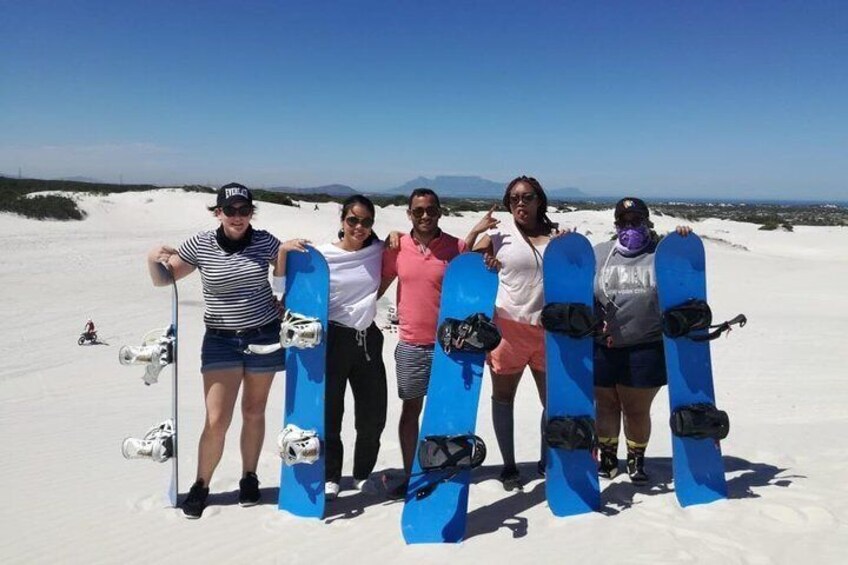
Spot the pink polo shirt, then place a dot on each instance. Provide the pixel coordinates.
(420, 273)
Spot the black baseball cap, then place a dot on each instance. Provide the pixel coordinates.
(630, 204)
(232, 193)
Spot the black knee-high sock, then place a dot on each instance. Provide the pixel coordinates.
(503, 420)
(543, 457)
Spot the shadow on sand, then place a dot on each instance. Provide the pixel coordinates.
(269, 497)
(348, 505)
(749, 475)
(617, 496)
(353, 505)
(504, 513)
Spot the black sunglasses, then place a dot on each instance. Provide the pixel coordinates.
(630, 223)
(432, 211)
(526, 198)
(353, 221)
(243, 211)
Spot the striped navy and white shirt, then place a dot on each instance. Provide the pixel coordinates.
(235, 286)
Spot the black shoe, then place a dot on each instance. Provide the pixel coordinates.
(398, 492)
(511, 478)
(607, 463)
(541, 468)
(195, 502)
(636, 468)
(249, 494)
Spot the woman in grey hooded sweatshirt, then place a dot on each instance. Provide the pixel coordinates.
(629, 356)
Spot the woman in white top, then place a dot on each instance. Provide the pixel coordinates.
(515, 249)
(354, 343)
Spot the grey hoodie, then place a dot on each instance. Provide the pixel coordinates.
(625, 288)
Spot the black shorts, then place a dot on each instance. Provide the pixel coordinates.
(637, 366)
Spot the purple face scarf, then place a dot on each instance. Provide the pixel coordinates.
(632, 240)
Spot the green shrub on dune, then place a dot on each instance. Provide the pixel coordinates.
(43, 207)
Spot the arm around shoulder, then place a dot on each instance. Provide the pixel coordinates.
(482, 246)
(285, 248)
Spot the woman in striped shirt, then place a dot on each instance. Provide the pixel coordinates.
(240, 310)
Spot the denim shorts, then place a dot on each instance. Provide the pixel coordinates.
(637, 366)
(221, 351)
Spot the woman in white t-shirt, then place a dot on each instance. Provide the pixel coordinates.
(515, 248)
(354, 343)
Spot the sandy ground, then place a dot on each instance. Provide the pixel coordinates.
(64, 410)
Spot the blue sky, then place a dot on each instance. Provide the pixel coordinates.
(684, 98)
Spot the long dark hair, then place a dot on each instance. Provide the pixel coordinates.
(542, 212)
(352, 201)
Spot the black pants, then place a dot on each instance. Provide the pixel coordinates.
(358, 358)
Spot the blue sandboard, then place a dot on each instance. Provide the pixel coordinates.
(307, 293)
(571, 476)
(450, 409)
(697, 464)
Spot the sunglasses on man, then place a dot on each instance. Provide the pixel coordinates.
(419, 211)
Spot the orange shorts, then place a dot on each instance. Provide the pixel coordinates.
(521, 345)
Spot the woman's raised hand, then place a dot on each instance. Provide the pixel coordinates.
(487, 222)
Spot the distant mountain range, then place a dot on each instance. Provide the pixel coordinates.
(474, 187)
(331, 189)
(445, 185)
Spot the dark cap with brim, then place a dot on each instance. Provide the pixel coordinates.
(232, 193)
(631, 205)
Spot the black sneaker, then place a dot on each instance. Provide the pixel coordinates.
(607, 463)
(511, 478)
(636, 468)
(195, 502)
(249, 494)
(398, 492)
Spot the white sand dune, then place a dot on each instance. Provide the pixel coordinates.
(69, 496)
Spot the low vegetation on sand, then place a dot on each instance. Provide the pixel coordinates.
(769, 216)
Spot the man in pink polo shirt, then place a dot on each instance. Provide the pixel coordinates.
(419, 264)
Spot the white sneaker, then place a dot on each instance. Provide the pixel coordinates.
(331, 490)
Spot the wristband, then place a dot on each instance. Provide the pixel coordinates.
(278, 286)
